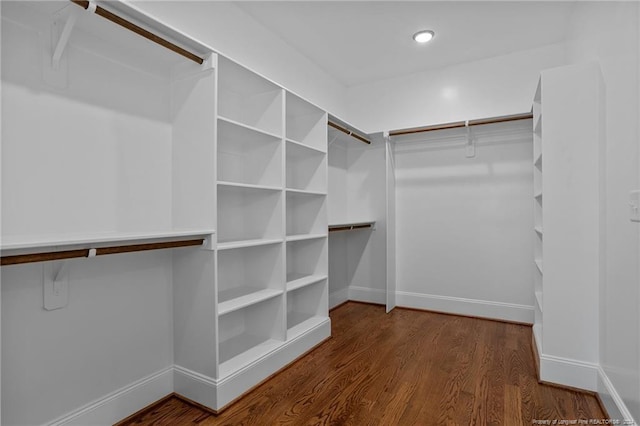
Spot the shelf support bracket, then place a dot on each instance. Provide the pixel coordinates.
(55, 285)
(63, 39)
(470, 147)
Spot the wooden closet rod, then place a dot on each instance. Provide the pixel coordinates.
(457, 124)
(348, 132)
(70, 254)
(140, 31)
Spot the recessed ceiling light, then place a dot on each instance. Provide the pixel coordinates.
(423, 36)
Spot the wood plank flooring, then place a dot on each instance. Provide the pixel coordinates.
(403, 368)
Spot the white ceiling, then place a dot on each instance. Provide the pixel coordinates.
(359, 42)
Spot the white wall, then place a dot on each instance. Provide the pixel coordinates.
(116, 329)
(491, 87)
(464, 225)
(608, 32)
(236, 35)
(78, 158)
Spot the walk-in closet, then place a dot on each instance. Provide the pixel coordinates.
(319, 212)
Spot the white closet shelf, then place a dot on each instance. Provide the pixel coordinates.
(539, 264)
(351, 226)
(228, 245)
(248, 127)
(238, 298)
(96, 239)
(303, 237)
(305, 146)
(298, 323)
(248, 185)
(296, 281)
(242, 350)
(303, 191)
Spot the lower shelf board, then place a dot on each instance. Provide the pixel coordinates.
(295, 281)
(298, 324)
(242, 350)
(241, 297)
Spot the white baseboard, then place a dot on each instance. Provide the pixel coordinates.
(121, 403)
(471, 307)
(612, 400)
(195, 386)
(569, 372)
(367, 295)
(216, 394)
(338, 297)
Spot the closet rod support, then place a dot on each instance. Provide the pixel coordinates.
(348, 132)
(85, 4)
(63, 39)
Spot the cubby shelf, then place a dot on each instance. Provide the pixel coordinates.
(306, 307)
(305, 123)
(238, 298)
(297, 324)
(302, 191)
(303, 237)
(244, 349)
(249, 213)
(309, 147)
(248, 155)
(239, 124)
(229, 245)
(248, 99)
(248, 186)
(306, 168)
(296, 281)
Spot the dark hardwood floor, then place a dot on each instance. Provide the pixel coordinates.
(403, 368)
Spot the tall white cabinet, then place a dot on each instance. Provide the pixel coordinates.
(569, 222)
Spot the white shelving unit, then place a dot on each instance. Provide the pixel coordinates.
(567, 172)
(270, 280)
